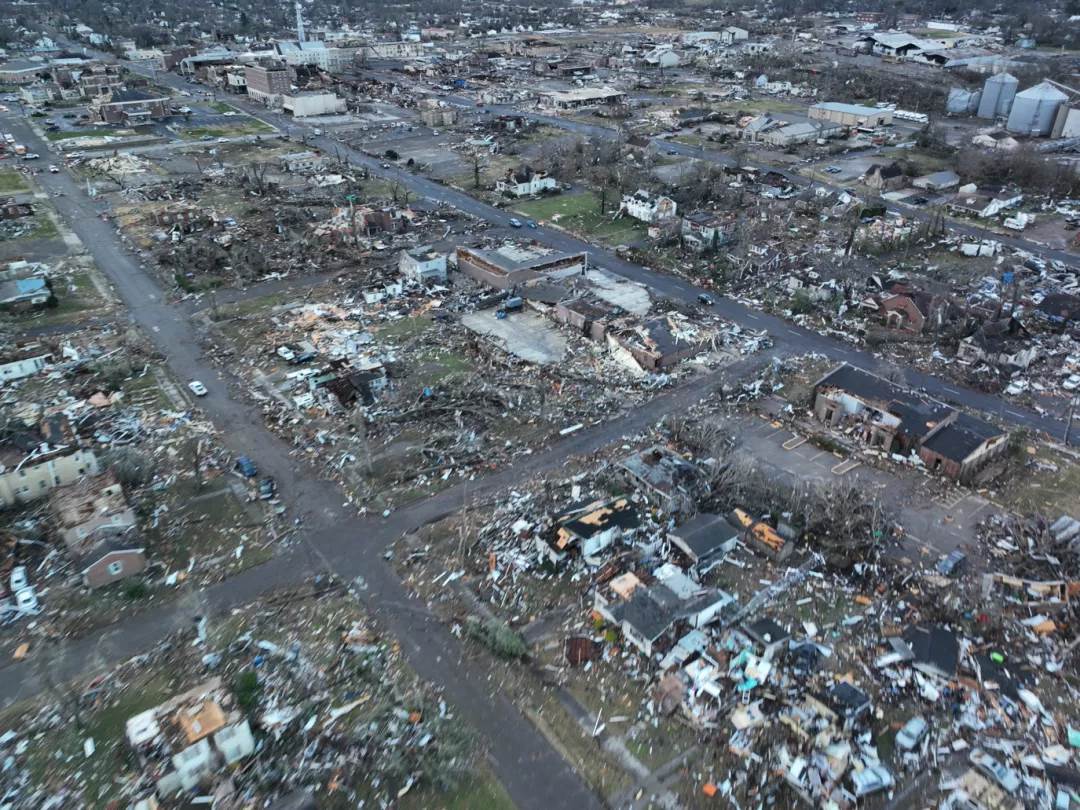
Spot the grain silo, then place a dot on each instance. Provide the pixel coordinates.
(1034, 110)
(997, 97)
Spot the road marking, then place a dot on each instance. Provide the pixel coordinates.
(753, 317)
(819, 455)
(793, 332)
(1014, 413)
(952, 390)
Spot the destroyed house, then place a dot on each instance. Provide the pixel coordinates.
(422, 264)
(912, 311)
(935, 650)
(704, 230)
(590, 529)
(646, 616)
(13, 210)
(357, 387)
(189, 739)
(525, 182)
(1003, 342)
(510, 265)
(898, 420)
(1060, 307)
(884, 177)
(25, 292)
(704, 538)
(662, 473)
(98, 528)
(31, 464)
(842, 703)
(646, 207)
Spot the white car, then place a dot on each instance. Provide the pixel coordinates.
(1007, 778)
(53, 169)
(1072, 382)
(18, 578)
(27, 602)
(285, 353)
(229, 112)
(197, 388)
(911, 735)
(871, 779)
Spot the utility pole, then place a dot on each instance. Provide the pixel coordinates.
(1072, 412)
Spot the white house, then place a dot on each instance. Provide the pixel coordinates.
(44, 469)
(422, 264)
(733, 34)
(526, 183)
(648, 208)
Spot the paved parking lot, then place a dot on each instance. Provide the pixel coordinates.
(932, 526)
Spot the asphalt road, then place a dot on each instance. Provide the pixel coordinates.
(334, 538)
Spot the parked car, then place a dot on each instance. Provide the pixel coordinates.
(285, 353)
(1006, 777)
(53, 169)
(705, 299)
(833, 169)
(246, 467)
(27, 602)
(912, 734)
(871, 779)
(197, 388)
(267, 488)
(18, 578)
(919, 200)
(515, 222)
(951, 563)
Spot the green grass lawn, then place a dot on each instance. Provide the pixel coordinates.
(247, 126)
(41, 227)
(54, 754)
(222, 107)
(12, 182)
(95, 132)
(580, 213)
(761, 105)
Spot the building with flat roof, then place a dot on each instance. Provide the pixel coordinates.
(585, 97)
(511, 264)
(850, 115)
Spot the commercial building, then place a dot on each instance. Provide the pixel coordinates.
(900, 421)
(129, 107)
(21, 71)
(307, 105)
(510, 265)
(575, 99)
(267, 83)
(850, 115)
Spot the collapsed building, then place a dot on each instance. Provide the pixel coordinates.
(899, 421)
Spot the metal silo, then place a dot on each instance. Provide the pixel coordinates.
(997, 97)
(1034, 110)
